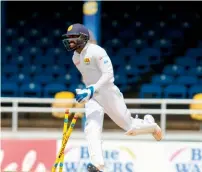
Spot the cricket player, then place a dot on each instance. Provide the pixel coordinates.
(101, 95)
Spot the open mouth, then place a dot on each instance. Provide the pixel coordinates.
(72, 44)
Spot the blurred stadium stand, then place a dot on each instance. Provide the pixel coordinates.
(156, 50)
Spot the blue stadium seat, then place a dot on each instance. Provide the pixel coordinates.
(51, 89)
(31, 51)
(109, 34)
(120, 78)
(153, 55)
(121, 81)
(117, 61)
(195, 89)
(109, 51)
(44, 42)
(57, 33)
(130, 70)
(55, 70)
(175, 91)
(9, 51)
(114, 43)
(64, 60)
(11, 32)
(115, 24)
(150, 91)
(149, 34)
(150, 52)
(43, 79)
(20, 42)
(21, 23)
(73, 70)
(132, 74)
(123, 52)
(9, 70)
(173, 34)
(20, 78)
(30, 90)
(173, 70)
(33, 70)
(186, 25)
(137, 25)
(35, 15)
(194, 52)
(68, 79)
(34, 33)
(3, 59)
(186, 62)
(162, 43)
(21, 60)
(9, 89)
(72, 87)
(9, 35)
(3, 79)
(187, 80)
(199, 44)
(197, 71)
(138, 43)
(141, 63)
(126, 34)
(51, 52)
(162, 79)
(44, 60)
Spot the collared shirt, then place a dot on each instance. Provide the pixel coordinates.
(95, 66)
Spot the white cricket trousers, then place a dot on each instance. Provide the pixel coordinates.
(109, 100)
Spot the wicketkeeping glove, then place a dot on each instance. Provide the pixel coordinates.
(84, 95)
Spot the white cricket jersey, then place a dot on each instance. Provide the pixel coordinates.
(95, 66)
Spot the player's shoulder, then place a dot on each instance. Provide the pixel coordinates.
(95, 49)
(75, 56)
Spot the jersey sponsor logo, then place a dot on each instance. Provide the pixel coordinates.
(106, 60)
(87, 60)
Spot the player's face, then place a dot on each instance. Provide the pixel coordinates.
(72, 39)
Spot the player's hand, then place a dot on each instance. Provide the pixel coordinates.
(83, 95)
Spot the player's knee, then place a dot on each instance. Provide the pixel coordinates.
(92, 128)
(126, 124)
(94, 122)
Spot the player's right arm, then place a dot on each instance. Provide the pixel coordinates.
(104, 64)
